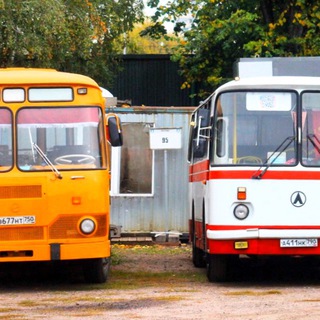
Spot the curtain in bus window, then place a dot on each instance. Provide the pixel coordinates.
(5, 117)
(311, 129)
(58, 116)
(5, 139)
(316, 130)
(72, 133)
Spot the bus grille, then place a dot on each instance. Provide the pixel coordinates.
(9, 192)
(66, 227)
(21, 233)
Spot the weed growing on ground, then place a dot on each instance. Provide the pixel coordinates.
(119, 249)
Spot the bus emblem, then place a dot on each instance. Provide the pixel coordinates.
(298, 199)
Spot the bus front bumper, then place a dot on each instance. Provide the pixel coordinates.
(264, 241)
(54, 251)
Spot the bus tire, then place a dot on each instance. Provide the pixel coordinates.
(197, 253)
(219, 267)
(96, 270)
(198, 257)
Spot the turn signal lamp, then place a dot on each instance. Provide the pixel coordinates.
(242, 193)
(76, 200)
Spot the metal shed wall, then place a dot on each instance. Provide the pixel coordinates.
(146, 214)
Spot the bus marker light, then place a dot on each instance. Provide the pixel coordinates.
(82, 91)
(241, 211)
(238, 245)
(76, 200)
(242, 193)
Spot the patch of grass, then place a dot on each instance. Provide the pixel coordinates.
(12, 317)
(121, 249)
(75, 299)
(116, 257)
(170, 298)
(252, 293)
(28, 303)
(309, 300)
(3, 310)
(132, 280)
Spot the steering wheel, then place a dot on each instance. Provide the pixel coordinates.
(75, 159)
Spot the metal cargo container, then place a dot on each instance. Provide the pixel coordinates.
(149, 188)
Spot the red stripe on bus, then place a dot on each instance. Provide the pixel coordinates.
(199, 171)
(202, 176)
(258, 247)
(228, 227)
(199, 167)
(273, 175)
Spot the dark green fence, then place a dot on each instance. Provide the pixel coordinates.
(152, 80)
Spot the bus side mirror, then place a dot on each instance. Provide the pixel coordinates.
(114, 130)
(199, 147)
(204, 118)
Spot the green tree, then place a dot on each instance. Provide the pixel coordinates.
(69, 35)
(222, 31)
(133, 43)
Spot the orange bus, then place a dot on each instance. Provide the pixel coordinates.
(54, 169)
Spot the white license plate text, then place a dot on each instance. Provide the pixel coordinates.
(9, 221)
(298, 243)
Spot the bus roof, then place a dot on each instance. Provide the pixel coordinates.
(269, 83)
(21, 76)
(272, 82)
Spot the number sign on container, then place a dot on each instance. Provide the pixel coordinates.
(165, 138)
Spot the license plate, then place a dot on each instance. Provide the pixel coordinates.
(298, 243)
(10, 221)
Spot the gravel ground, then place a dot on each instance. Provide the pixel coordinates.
(161, 283)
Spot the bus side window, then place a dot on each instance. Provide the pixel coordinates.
(220, 142)
(200, 134)
(221, 133)
(5, 160)
(192, 131)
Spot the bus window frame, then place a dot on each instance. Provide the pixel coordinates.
(50, 89)
(218, 113)
(100, 131)
(11, 125)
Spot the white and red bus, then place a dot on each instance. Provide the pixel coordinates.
(254, 156)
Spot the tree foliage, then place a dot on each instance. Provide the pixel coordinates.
(69, 35)
(220, 32)
(133, 43)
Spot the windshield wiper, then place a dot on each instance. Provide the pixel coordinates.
(281, 148)
(312, 138)
(46, 160)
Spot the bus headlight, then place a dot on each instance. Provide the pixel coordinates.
(87, 226)
(241, 211)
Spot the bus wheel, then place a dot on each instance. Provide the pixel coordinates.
(197, 256)
(219, 267)
(197, 253)
(96, 270)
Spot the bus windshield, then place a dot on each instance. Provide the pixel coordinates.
(311, 128)
(6, 161)
(250, 126)
(68, 137)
